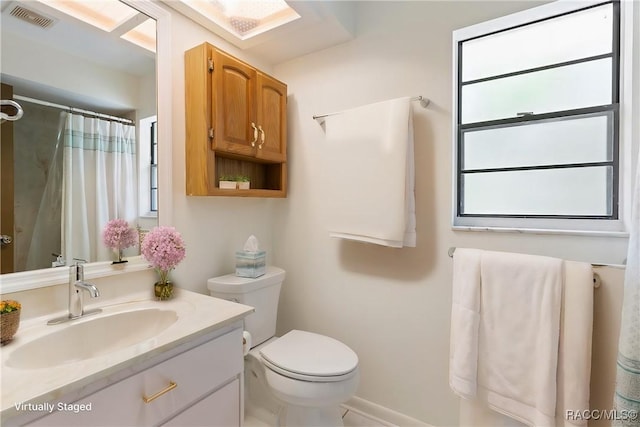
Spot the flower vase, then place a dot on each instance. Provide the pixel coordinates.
(9, 323)
(121, 259)
(163, 290)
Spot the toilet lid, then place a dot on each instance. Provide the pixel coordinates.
(308, 354)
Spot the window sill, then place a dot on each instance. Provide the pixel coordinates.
(590, 233)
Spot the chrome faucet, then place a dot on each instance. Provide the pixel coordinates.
(76, 300)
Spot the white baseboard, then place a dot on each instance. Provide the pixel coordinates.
(385, 415)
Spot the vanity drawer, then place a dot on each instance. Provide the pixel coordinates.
(221, 408)
(169, 387)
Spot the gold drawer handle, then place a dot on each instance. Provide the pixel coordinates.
(150, 399)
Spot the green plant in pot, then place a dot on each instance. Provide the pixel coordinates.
(244, 182)
(9, 320)
(227, 182)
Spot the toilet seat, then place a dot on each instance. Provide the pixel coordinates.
(308, 356)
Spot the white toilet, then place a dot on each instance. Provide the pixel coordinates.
(298, 379)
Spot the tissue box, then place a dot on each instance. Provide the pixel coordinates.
(250, 264)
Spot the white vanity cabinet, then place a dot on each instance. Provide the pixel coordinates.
(199, 386)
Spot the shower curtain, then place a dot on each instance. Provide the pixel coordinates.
(627, 395)
(99, 183)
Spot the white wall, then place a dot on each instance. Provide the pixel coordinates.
(213, 227)
(391, 306)
(50, 67)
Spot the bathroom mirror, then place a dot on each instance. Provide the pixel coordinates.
(67, 86)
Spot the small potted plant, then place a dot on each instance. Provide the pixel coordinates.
(244, 183)
(164, 248)
(9, 320)
(117, 236)
(227, 182)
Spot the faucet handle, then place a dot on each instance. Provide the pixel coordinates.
(77, 269)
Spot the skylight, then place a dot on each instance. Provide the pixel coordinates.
(111, 16)
(144, 35)
(245, 18)
(106, 15)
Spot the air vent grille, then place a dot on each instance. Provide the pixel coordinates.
(32, 17)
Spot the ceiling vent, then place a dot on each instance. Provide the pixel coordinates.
(32, 17)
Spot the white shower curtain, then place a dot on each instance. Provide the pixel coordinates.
(99, 183)
(627, 395)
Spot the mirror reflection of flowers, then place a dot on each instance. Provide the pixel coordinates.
(118, 235)
(164, 248)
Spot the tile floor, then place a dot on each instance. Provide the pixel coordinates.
(353, 418)
(350, 417)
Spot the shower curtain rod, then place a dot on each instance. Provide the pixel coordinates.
(596, 279)
(73, 109)
(423, 102)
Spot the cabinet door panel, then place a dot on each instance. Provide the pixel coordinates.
(234, 98)
(219, 409)
(272, 117)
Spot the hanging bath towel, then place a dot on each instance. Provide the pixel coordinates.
(370, 171)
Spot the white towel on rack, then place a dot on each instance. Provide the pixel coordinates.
(370, 170)
(505, 330)
(574, 355)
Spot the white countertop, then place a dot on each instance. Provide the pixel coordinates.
(198, 315)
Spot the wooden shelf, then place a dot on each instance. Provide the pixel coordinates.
(248, 193)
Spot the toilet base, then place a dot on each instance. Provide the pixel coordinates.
(316, 405)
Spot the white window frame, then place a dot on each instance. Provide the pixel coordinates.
(144, 168)
(629, 132)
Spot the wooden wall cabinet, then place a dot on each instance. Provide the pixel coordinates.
(236, 124)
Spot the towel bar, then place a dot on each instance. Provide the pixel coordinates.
(424, 102)
(596, 278)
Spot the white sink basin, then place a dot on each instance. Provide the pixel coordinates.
(91, 338)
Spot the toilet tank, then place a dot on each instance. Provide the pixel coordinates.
(262, 293)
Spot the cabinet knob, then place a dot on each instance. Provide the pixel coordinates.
(255, 134)
(262, 137)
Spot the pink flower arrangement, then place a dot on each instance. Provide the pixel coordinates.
(118, 235)
(164, 248)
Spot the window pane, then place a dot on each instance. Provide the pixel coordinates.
(154, 176)
(570, 191)
(580, 85)
(154, 200)
(560, 141)
(574, 36)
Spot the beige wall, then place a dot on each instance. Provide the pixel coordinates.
(393, 306)
(213, 227)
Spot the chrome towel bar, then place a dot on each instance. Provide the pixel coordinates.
(424, 102)
(596, 278)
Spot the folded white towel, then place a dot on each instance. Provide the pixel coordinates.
(370, 164)
(576, 332)
(465, 320)
(518, 301)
